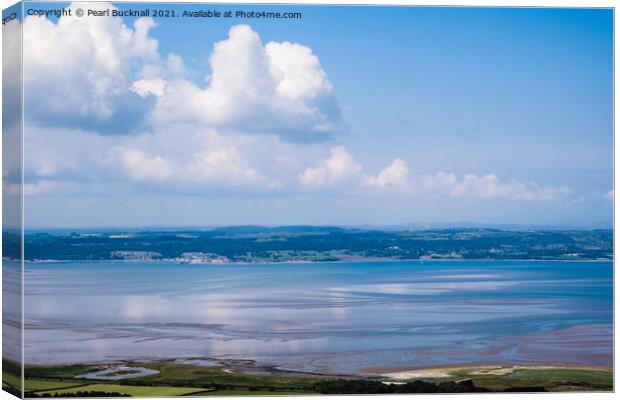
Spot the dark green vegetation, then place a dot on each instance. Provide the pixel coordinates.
(190, 380)
(344, 386)
(298, 243)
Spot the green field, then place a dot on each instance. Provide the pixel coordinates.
(33, 384)
(552, 379)
(134, 391)
(39, 384)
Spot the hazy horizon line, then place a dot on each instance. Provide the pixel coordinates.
(398, 226)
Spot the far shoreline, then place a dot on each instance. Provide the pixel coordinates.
(308, 262)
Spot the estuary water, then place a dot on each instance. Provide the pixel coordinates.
(335, 318)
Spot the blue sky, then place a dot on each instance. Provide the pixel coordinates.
(392, 115)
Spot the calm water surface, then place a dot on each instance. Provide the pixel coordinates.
(330, 318)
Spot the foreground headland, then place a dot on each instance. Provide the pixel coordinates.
(168, 378)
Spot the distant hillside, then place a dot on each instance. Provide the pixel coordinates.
(312, 243)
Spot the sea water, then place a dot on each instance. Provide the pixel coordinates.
(336, 318)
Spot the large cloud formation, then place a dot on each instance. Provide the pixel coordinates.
(248, 125)
(77, 71)
(87, 77)
(274, 88)
(100, 74)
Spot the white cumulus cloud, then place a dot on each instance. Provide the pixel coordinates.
(297, 72)
(80, 67)
(394, 175)
(339, 166)
(274, 88)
